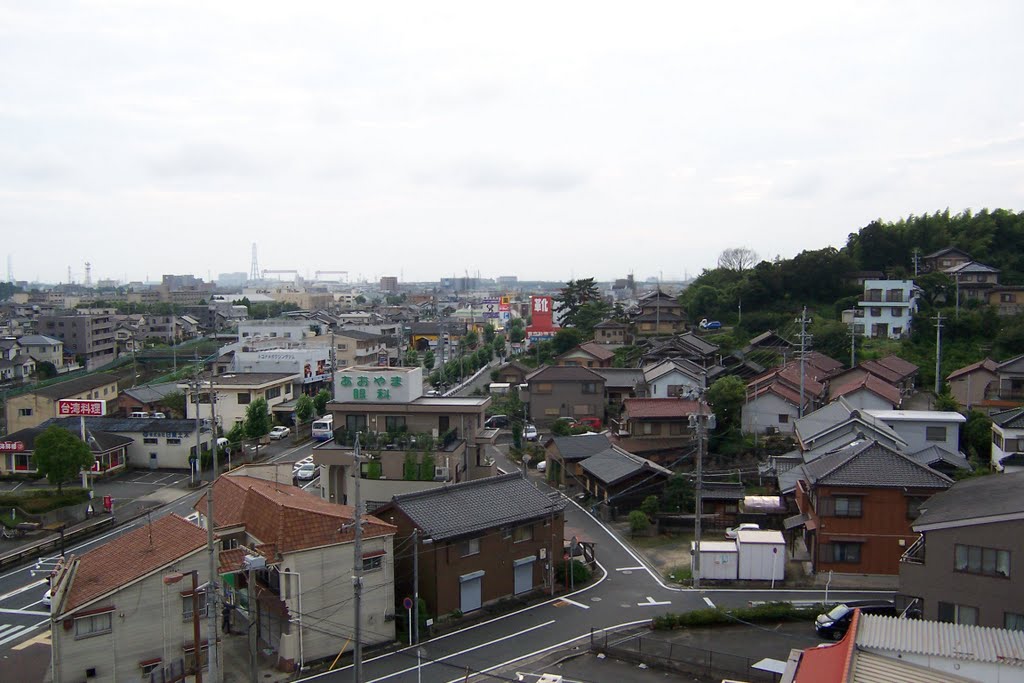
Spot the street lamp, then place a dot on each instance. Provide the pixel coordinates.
(175, 577)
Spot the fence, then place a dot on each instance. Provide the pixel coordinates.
(665, 654)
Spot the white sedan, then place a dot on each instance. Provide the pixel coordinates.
(306, 471)
(733, 532)
(279, 433)
(530, 432)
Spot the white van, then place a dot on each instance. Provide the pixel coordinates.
(139, 413)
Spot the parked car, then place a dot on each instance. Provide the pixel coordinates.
(834, 624)
(706, 324)
(542, 466)
(530, 433)
(300, 463)
(571, 421)
(279, 433)
(592, 422)
(497, 422)
(306, 471)
(733, 532)
(47, 598)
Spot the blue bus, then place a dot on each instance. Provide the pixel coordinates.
(323, 429)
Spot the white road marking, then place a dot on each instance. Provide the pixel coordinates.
(628, 569)
(651, 602)
(710, 604)
(577, 604)
(21, 590)
(24, 611)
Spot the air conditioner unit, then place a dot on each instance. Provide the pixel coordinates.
(440, 474)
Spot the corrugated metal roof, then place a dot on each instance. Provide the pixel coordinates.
(872, 668)
(939, 639)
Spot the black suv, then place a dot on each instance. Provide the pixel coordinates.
(497, 422)
(834, 624)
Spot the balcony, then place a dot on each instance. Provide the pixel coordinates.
(915, 553)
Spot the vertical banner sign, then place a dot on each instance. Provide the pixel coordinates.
(541, 312)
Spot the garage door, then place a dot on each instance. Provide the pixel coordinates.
(524, 574)
(470, 589)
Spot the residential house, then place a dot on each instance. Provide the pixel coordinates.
(620, 384)
(565, 392)
(878, 648)
(675, 378)
(778, 397)
(89, 336)
(1008, 440)
(620, 479)
(839, 423)
(856, 278)
(153, 443)
(721, 501)
(972, 384)
(1011, 379)
(563, 455)
(888, 306)
(586, 355)
(973, 280)
(688, 346)
(660, 315)
(150, 398)
(610, 332)
(514, 373)
(123, 610)
(44, 349)
(36, 407)
(110, 451)
(857, 503)
(769, 341)
(476, 542)
(942, 259)
(15, 362)
(962, 567)
(942, 460)
(400, 428)
(358, 348)
(658, 428)
(304, 547)
(894, 370)
(868, 392)
(923, 428)
(235, 392)
(1007, 299)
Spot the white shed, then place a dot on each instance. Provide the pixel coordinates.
(718, 559)
(762, 555)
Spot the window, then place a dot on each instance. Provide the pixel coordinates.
(393, 423)
(1012, 621)
(470, 547)
(150, 439)
(842, 552)
(1011, 445)
(542, 388)
(171, 441)
(675, 428)
(973, 559)
(958, 614)
(522, 533)
(244, 397)
(25, 412)
(371, 564)
(783, 418)
(186, 606)
(876, 312)
(847, 507)
(149, 667)
(648, 428)
(590, 387)
(273, 392)
(935, 433)
(355, 423)
(914, 506)
(94, 625)
(997, 439)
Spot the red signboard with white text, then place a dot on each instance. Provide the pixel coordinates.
(11, 446)
(84, 408)
(541, 312)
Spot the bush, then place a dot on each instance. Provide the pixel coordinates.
(560, 428)
(580, 572)
(772, 611)
(638, 522)
(38, 502)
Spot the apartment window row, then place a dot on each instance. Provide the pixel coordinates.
(841, 506)
(273, 392)
(973, 559)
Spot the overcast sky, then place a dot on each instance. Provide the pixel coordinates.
(547, 140)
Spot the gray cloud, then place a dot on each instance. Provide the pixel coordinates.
(204, 159)
(494, 175)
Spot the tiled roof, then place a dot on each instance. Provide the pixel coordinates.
(125, 424)
(581, 446)
(285, 515)
(38, 340)
(827, 365)
(827, 662)
(152, 393)
(640, 408)
(870, 464)
(933, 455)
(790, 374)
(128, 558)
(970, 267)
(940, 639)
(621, 377)
(99, 441)
(875, 368)
(780, 389)
(75, 386)
(612, 465)
(597, 350)
(1009, 419)
(947, 250)
(985, 364)
(724, 491)
(681, 365)
(975, 498)
(471, 507)
(897, 364)
(871, 383)
(566, 373)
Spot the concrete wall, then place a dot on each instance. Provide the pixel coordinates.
(862, 399)
(565, 399)
(974, 387)
(763, 412)
(915, 434)
(936, 580)
(659, 387)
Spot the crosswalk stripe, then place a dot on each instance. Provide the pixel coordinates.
(15, 634)
(7, 628)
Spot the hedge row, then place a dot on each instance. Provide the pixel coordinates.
(38, 502)
(772, 611)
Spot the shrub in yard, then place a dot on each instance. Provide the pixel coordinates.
(638, 522)
(580, 573)
(772, 611)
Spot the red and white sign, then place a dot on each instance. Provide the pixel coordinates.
(11, 446)
(541, 312)
(81, 407)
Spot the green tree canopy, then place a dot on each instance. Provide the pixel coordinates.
(726, 397)
(60, 455)
(257, 420)
(320, 401)
(304, 408)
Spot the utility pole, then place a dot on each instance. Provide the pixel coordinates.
(699, 422)
(938, 353)
(415, 587)
(194, 386)
(251, 582)
(357, 572)
(957, 276)
(211, 602)
(853, 344)
(804, 339)
(917, 261)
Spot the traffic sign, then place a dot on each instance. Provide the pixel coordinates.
(407, 603)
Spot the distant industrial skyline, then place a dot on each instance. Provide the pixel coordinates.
(554, 141)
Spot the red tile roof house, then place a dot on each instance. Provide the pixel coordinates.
(657, 428)
(304, 595)
(114, 619)
(867, 393)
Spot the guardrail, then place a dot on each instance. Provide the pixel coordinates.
(53, 542)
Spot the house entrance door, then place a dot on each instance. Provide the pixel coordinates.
(524, 574)
(470, 590)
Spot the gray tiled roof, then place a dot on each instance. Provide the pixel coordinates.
(725, 491)
(621, 377)
(152, 393)
(873, 465)
(612, 465)
(564, 373)
(995, 494)
(475, 506)
(126, 424)
(1010, 419)
(99, 442)
(573, 448)
(75, 386)
(935, 454)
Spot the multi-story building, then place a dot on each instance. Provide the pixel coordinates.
(565, 392)
(235, 391)
(964, 567)
(89, 336)
(36, 407)
(389, 284)
(888, 307)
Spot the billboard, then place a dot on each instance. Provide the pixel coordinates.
(491, 308)
(541, 312)
(81, 407)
